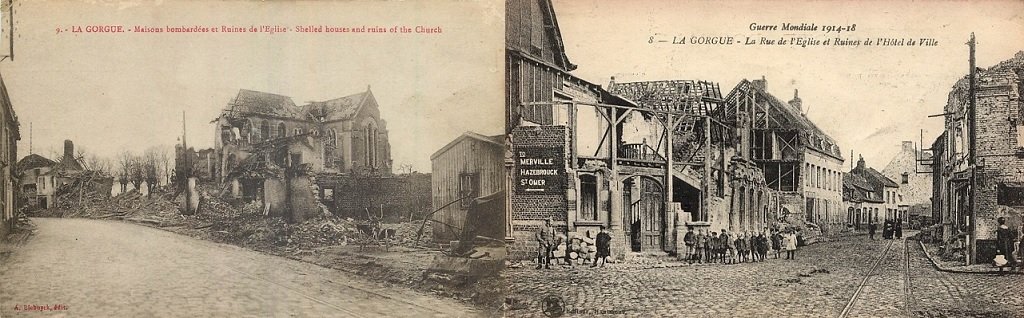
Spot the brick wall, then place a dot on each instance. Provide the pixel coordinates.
(1001, 156)
(999, 104)
(530, 210)
(400, 196)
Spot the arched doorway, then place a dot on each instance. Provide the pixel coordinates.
(644, 200)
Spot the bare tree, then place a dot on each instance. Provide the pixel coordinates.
(164, 161)
(94, 162)
(125, 162)
(136, 172)
(150, 165)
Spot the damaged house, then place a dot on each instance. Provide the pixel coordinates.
(645, 160)
(10, 133)
(294, 158)
(993, 157)
(349, 134)
(798, 159)
(45, 183)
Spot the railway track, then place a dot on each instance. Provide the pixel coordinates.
(864, 281)
(908, 290)
(876, 270)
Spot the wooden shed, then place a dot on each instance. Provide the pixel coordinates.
(469, 167)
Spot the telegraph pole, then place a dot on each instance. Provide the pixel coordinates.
(973, 154)
(186, 166)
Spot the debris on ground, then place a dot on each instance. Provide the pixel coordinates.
(247, 225)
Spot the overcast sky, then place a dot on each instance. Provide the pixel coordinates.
(114, 92)
(867, 98)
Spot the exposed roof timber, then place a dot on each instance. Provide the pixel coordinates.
(551, 24)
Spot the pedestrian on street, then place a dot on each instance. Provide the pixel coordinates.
(730, 246)
(689, 240)
(871, 230)
(545, 238)
(762, 247)
(1004, 244)
(898, 229)
(709, 247)
(699, 244)
(1020, 249)
(741, 247)
(751, 246)
(789, 243)
(604, 244)
(776, 242)
(887, 230)
(713, 248)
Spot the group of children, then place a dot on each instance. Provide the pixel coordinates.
(738, 248)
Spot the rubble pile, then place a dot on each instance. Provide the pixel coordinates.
(406, 234)
(245, 225)
(85, 189)
(576, 248)
(323, 231)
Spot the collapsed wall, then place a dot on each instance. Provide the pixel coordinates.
(395, 198)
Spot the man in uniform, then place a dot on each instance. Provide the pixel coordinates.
(545, 238)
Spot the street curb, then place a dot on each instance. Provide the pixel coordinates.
(950, 270)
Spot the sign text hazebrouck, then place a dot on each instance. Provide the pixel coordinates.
(539, 170)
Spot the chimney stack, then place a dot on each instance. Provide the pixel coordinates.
(761, 83)
(860, 163)
(69, 149)
(796, 102)
(908, 146)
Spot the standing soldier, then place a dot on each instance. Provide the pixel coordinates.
(712, 248)
(699, 243)
(545, 235)
(871, 229)
(729, 253)
(689, 240)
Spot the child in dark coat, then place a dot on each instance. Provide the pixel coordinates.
(762, 247)
(604, 247)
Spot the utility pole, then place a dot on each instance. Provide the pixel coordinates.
(186, 166)
(973, 155)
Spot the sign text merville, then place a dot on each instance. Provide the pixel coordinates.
(540, 170)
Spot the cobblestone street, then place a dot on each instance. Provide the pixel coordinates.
(90, 268)
(819, 283)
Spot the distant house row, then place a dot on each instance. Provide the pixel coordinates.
(40, 179)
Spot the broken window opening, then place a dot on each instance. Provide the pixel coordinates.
(1010, 195)
(588, 197)
(469, 188)
(265, 130)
